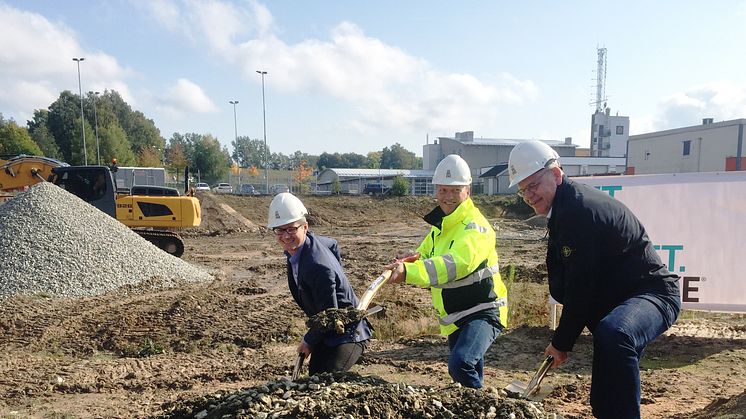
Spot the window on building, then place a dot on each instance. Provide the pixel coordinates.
(687, 147)
(647, 154)
(620, 129)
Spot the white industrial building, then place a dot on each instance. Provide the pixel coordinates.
(709, 147)
(609, 134)
(496, 178)
(353, 181)
(480, 153)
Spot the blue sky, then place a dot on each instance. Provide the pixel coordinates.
(346, 76)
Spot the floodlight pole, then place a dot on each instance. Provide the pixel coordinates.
(82, 120)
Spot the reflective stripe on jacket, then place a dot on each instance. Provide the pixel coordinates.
(458, 262)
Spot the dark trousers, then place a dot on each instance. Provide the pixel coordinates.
(618, 342)
(335, 358)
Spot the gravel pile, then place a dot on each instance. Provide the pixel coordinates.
(53, 243)
(350, 395)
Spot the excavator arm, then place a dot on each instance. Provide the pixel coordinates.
(22, 171)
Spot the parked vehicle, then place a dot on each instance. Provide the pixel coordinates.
(223, 188)
(376, 189)
(247, 189)
(202, 186)
(279, 188)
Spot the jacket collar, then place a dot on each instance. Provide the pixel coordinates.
(437, 217)
(562, 190)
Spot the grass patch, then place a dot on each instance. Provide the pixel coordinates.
(528, 305)
(392, 327)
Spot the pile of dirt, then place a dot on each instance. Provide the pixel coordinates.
(220, 218)
(732, 408)
(334, 319)
(350, 395)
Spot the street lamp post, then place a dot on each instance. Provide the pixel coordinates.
(235, 132)
(95, 118)
(82, 121)
(264, 123)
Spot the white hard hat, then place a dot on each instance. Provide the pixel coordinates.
(285, 209)
(452, 170)
(528, 158)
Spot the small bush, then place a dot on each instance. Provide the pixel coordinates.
(400, 186)
(148, 347)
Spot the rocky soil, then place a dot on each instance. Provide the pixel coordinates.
(226, 347)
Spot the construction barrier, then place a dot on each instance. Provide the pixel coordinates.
(697, 222)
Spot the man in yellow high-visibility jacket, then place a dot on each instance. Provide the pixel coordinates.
(458, 262)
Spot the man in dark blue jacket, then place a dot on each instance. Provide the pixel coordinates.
(317, 282)
(605, 272)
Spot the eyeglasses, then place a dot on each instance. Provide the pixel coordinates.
(531, 187)
(287, 230)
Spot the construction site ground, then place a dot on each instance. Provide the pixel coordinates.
(140, 352)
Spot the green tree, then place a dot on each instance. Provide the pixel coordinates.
(248, 152)
(39, 131)
(397, 157)
(115, 145)
(77, 155)
(176, 157)
(279, 161)
(150, 157)
(63, 113)
(140, 130)
(400, 187)
(298, 158)
(209, 159)
(16, 140)
(374, 160)
(353, 160)
(327, 161)
(346, 160)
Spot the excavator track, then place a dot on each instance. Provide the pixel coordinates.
(167, 241)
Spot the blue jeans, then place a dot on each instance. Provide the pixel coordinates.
(468, 345)
(618, 343)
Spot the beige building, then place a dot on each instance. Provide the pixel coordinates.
(710, 147)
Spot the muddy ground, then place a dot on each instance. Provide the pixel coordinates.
(198, 349)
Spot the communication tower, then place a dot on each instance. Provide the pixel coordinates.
(601, 80)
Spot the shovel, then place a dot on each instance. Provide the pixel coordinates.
(377, 284)
(524, 390)
(298, 366)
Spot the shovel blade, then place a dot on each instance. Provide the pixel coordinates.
(298, 366)
(516, 388)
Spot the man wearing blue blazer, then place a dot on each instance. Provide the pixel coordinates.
(317, 282)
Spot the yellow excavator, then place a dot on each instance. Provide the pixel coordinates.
(151, 211)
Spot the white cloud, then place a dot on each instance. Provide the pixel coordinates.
(36, 58)
(186, 97)
(721, 100)
(389, 88)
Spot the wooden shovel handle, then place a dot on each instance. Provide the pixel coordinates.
(373, 288)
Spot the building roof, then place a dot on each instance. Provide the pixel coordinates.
(495, 171)
(505, 141)
(593, 161)
(693, 128)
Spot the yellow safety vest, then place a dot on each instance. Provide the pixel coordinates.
(459, 265)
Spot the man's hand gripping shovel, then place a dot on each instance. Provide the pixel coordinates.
(362, 305)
